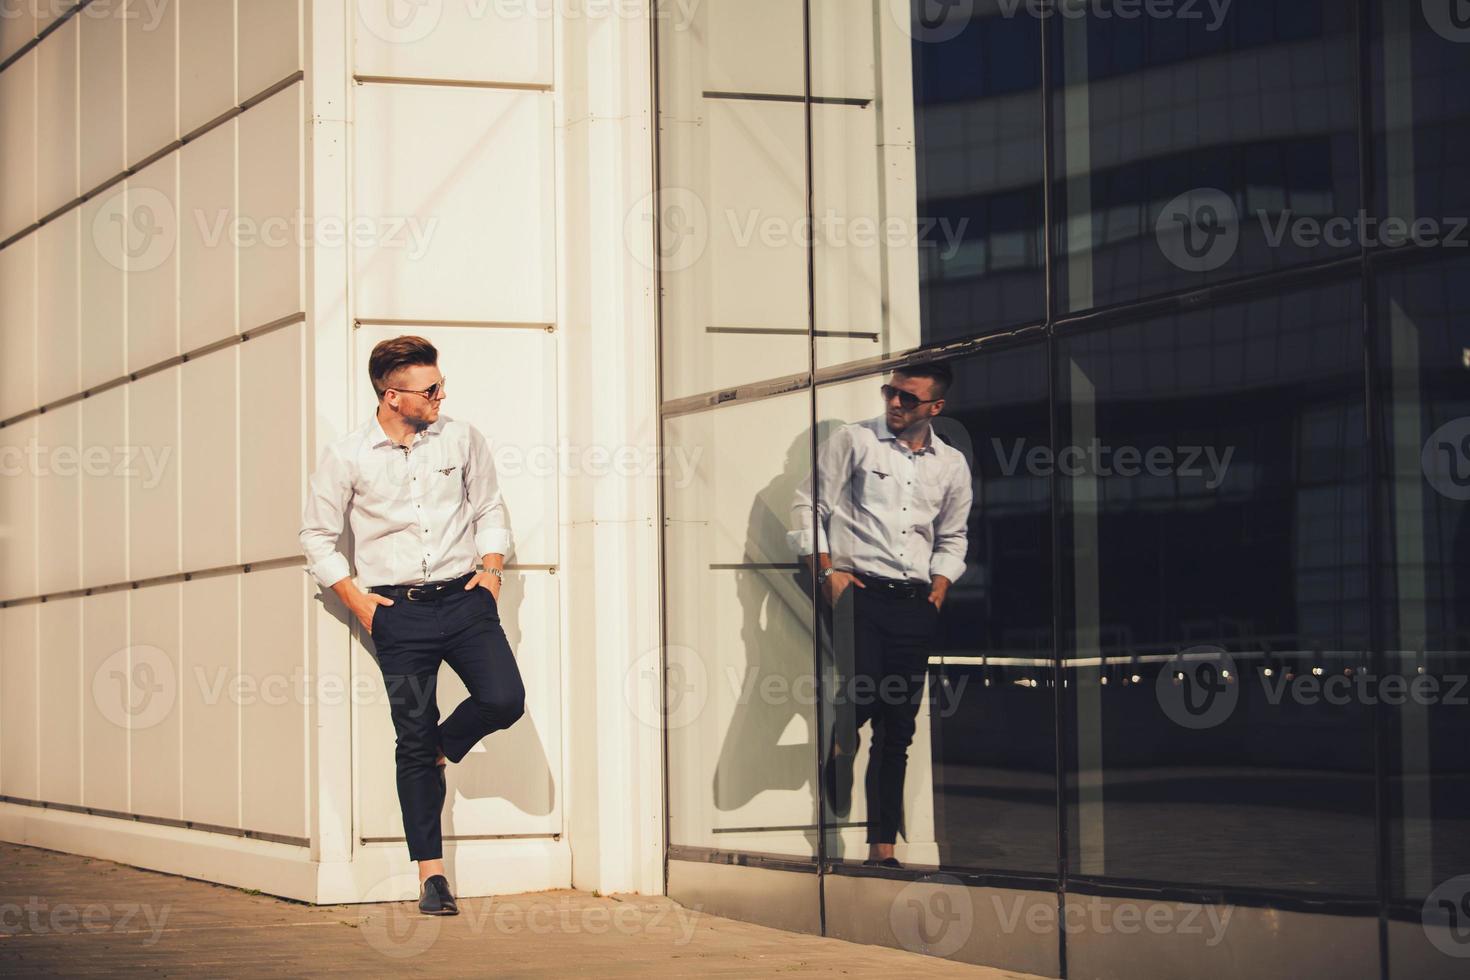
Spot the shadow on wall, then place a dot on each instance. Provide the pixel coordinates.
(512, 764)
(776, 606)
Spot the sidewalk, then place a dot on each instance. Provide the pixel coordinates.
(74, 916)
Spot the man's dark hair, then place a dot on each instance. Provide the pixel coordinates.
(400, 352)
(937, 371)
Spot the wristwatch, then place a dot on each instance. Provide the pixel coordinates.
(497, 573)
(825, 574)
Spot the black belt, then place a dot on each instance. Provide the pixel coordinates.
(424, 592)
(900, 587)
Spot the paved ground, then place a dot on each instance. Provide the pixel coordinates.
(63, 915)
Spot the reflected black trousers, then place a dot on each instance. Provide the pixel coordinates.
(460, 628)
(880, 648)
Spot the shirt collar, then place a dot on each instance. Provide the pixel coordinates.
(381, 438)
(880, 426)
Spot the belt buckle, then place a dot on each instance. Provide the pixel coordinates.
(410, 596)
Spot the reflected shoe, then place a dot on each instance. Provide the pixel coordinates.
(882, 863)
(436, 899)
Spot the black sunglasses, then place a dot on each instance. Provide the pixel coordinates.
(430, 392)
(907, 399)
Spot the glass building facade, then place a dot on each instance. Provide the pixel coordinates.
(1202, 273)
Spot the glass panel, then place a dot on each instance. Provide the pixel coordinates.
(1421, 116)
(1194, 145)
(976, 771)
(1214, 531)
(1423, 349)
(926, 174)
(741, 704)
(732, 219)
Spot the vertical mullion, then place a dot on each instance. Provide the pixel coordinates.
(1378, 727)
(1048, 248)
(813, 450)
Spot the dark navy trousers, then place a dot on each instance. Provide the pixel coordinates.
(461, 628)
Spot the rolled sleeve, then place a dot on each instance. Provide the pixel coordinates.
(808, 520)
(952, 526)
(492, 530)
(328, 494)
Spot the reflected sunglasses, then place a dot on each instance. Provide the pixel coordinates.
(907, 399)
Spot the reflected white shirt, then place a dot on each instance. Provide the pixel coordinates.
(421, 513)
(887, 511)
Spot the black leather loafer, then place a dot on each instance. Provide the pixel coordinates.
(436, 898)
(885, 863)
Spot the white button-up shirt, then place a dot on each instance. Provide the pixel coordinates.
(885, 510)
(420, 513)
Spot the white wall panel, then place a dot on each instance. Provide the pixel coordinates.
(48, 10)
(57, 345)
(849, 268)
(209, 658)
(473, 172)
(56, 119)
(271, 205)
(18, 481)
(210, 496)
(153, 639)
(206, 241)
(18, 145)
(273, 711)
(152, 262)
(466, 40)
(60, 723)
(510, 783)
(102, 304)
(102, 99)
(488, 369)
(752, 46)
(18, 327)
(16, 30)
(206, 61)
(207, 254)
(152, 52)
(153, 475)
(104, 488)
(18, 702)
(270, 43)
(59, 500)
(271, 379)
(104, 700)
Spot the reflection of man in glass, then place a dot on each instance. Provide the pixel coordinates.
(890, 536)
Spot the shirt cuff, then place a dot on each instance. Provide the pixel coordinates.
(800, 541)
(948, 566)
(492, 541)
(330, 570)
